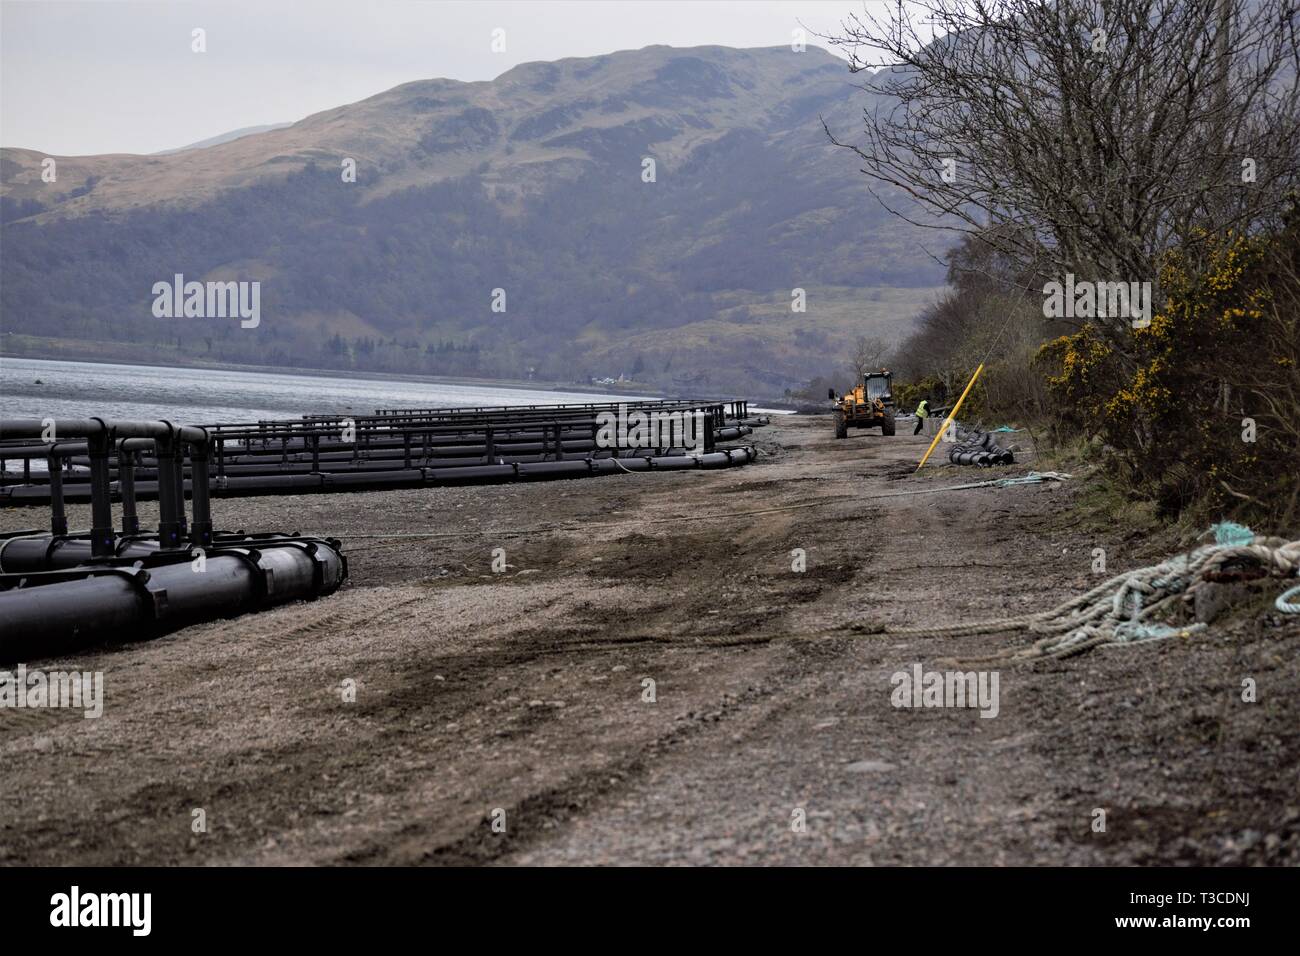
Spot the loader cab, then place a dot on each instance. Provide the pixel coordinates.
(879, 385)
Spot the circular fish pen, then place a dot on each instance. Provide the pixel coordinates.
(62, 589)
(389, 449)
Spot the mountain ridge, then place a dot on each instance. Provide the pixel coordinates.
(220, 138)
(531, 182)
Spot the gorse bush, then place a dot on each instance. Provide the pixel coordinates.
(1201, 407)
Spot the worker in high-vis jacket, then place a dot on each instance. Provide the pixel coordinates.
(922, 412)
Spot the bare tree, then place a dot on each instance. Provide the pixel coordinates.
(1084, 136)
(869, 353)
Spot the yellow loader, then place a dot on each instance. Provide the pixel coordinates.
(869, 405)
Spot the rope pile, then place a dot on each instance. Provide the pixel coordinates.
(1128, 608)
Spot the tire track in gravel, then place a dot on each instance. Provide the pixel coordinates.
(531, 818)
(524, 692)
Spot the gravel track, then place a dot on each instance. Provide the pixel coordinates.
(522, 692)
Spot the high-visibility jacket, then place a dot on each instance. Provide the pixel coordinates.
(921, 410)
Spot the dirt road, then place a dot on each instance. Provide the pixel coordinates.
(522, 697)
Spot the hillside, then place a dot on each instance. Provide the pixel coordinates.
(530, 183)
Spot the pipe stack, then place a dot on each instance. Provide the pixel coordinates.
(979, 448)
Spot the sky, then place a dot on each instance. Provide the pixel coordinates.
(109, 76)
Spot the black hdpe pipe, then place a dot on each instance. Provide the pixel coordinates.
(965, 455)
(293, 484)
(732, 432)
(43, 552)
(275, 454)
(979, 448)
(102, 439)
(385, 461)
(167, 455)
(51, 612)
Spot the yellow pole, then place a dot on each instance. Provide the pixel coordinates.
(951, 415)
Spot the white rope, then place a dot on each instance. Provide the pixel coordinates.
(1033, 478)
(1127, 608)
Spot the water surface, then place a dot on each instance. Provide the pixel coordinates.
(192, 396)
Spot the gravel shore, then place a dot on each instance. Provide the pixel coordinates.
(651, 681)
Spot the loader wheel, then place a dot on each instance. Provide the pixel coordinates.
(841, 426)
(887, 424)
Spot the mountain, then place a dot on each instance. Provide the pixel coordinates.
(234, 134)
(531, 183)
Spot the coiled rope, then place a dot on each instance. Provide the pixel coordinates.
(1126, 608)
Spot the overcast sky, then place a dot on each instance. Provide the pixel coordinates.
(120, 75)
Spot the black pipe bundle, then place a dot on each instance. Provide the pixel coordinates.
(974, 447)
(736, 409)
(55, 598)
(392, 448)
(59, 591)
(290, 483)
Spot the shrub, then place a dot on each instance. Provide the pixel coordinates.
(1203, 405)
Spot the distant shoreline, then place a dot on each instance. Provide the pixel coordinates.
(414, 377)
